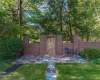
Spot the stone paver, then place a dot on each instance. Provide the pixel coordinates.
(2, 73)
(46, 59)
(51, 70)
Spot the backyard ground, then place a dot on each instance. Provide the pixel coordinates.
(27, 72)
(65, 71)
(78, 71)
(5, 63)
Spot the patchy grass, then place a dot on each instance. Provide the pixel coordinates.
(78, 71)
(27, 72)
(5, 63)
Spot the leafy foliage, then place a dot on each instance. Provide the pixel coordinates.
(91, 53)
(67, 16)
(83, 54)
(97, 61)
(55, 32)
(10, 47)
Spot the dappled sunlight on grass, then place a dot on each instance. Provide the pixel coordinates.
(75, 77)
(6, 63)
(27, 72)
(4, 66)
(13, 76)
(78, 71)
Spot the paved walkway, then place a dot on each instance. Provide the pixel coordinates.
(51, 72)
(46, 59)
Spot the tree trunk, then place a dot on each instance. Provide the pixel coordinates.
(20, 12)
(87, 38)
(70, 31)
(70, 24)
(70, 28)
(20, 15)
(61, 15)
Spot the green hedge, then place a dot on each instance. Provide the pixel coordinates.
(91, 53)
(97, 61)
(10, 47)
(83, 54)
(54, 32)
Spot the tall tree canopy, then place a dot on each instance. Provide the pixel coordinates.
(69, 17)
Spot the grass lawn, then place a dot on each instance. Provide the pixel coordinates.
(5, 63)
(78, 71)
(27, 72)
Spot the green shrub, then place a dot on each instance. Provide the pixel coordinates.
(92, 53)
(55, 32)
(97, 61)
(83, 54)
(10, 47)
(45, 33)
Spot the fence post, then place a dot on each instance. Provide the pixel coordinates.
(26, 43)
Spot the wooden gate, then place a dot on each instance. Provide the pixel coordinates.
(51, 46)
